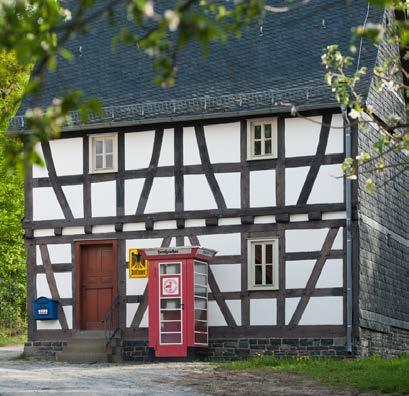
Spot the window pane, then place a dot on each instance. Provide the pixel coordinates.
(257, 132)
(257, 254)
(170, 338)
(258, 277)
(200, 279)
(200, 267)
(269, 253)
(170, 303)
(108, 161)
(98, 162)
(200, 315)
(108, 146)
(267, 147)
(267, 131)
(200, 326)
(170, 326)
(169, 269)
(200, 291)
(170, 315)
(98, 146)
(200, 303)
(269, 274)
(257, 148)
(201, 338)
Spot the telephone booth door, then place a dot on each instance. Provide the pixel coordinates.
(172, 313)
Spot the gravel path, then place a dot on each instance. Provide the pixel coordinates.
(28, 377)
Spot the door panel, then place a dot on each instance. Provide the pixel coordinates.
(97, 284)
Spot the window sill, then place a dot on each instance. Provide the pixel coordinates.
(265, 157)
(260, 288)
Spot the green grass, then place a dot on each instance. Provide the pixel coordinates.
(6, 339)
(374, 373)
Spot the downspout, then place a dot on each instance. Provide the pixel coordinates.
(348, 204)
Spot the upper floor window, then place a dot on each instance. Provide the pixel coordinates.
(262, 139)
(103, 153)
(262, 263)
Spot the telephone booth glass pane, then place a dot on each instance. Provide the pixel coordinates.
(170, 303)
(200, 292)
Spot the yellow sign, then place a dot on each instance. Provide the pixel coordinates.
(138, 267)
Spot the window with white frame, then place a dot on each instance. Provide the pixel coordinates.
(262, 139)
(103, 153)
(262, 263)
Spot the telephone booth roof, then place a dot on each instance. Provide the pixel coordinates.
(180, 252)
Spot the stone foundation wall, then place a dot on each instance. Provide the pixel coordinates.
(44, 350)
(386, 344)
(230, 349)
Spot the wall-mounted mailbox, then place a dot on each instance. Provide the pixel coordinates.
(178, 300)
(45, 309)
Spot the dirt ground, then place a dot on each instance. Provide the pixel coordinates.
(23, 377)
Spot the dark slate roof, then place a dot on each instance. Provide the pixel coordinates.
(262, 71)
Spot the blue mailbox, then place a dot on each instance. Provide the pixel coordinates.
(45, 309)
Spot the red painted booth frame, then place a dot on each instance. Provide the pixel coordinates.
(173, 312)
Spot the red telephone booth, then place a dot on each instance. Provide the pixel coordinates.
(177, 299)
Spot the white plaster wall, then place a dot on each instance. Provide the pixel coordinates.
(294, 181)
(74, 195)
(335, 142)
(215, 316)
(299, 217)
(59, 253)
(68, 315)
(224, 244)
(332, 274)
(138, 149)
(45, 204)
(334, 215)
(132, 192)
(39, 171)
(42, 286)
(264, 219)
(323, 311)
(134, 227)
(298, 272)
(328, 186)
(263, 311)
(191, 155)
(229, 221)
(135, 286)
(73, 231)
(221, 136)
(290, 306)
(131, 309)
(319, 310)
(302, 136)
(164, 225)
(229, 184)
(67, 156)
(235, 309)
(166, 157)
(64, 284)
(141, 243)
(162, 195)
(48, 325)
(104, 228)
(197, 194)
(262, 188)
(103, 199)
(145, 319)
(195, 223)
(43, 233)
(228, 276)
(309, 240)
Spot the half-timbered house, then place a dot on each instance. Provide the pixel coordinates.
(307, 262)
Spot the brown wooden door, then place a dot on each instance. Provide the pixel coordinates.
(97, 284)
